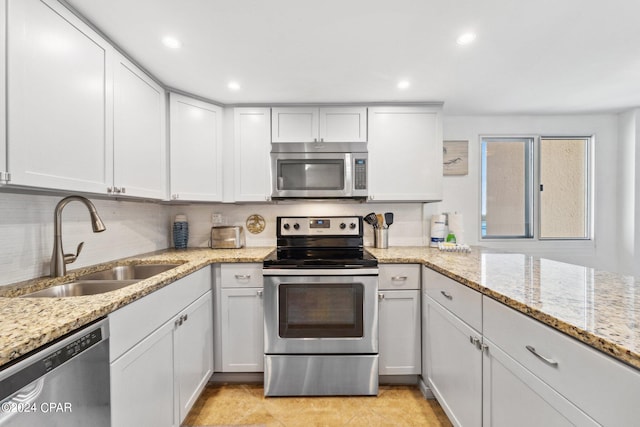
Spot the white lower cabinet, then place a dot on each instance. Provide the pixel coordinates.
(142, 390)
(193, 352)
(453, 364)
(399, 319)
(514, 396)
(239, 315)
(161, 353)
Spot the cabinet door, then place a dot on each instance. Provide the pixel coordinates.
(252, 180)
(242, 330)
(405, 154)
(138, 133)
(399, 332)
(59, 99)
(514, 396)
(142, 392)
(3, 93)
(297, 124)
(454, 365)
(193, 346)
(343, 124)
(196, 149)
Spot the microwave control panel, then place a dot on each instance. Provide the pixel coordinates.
(360, 174)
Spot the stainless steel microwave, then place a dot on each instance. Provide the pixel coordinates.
(319, 175)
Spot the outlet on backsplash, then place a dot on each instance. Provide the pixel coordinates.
(216, 218)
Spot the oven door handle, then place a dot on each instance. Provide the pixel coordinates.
(319, 272)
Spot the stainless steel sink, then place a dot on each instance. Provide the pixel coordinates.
(81, 288)
(129, 272)
(103, 281)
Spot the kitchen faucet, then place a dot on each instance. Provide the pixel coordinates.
(59, 259)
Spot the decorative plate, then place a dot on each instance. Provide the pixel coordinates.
(255, 224)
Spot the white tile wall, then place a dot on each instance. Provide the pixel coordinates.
(26, 233)
(407, 229)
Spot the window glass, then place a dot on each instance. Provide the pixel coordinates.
(564, 188)
(506, 187)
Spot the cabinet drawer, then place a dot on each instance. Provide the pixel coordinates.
(602, 387)
(464, 302)
(399, 276)
(130, 324)
(241, 275)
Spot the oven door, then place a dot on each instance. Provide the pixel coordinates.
(321, 311)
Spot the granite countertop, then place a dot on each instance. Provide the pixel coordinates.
(599, 308)
(28, 323)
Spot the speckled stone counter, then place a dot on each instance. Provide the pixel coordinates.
(28, 323)
(599, 308)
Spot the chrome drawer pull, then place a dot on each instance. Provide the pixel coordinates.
(243, 276)
(446, 295)
(399, 278)
(259, 293)
(380, 296)
(546, 360)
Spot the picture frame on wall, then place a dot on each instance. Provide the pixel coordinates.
(455, 157)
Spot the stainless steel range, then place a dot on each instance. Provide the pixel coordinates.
(321, 310)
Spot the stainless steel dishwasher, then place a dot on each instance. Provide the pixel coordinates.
(64, 384)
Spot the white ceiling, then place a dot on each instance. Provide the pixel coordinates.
(536, 56)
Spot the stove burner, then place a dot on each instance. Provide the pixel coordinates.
(312, 246)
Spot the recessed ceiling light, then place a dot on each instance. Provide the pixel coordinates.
(466, 38)
(234, 85)
(403, 84)
(171, 42)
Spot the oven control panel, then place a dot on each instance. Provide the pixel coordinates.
(317, 226)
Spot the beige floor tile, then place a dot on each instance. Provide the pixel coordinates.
(245, 405)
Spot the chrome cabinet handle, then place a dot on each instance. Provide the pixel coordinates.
(399, 278)
(259, 293)
(446, 295)
(243, 276)
(546, 360)
(476, 342)
(381, 296)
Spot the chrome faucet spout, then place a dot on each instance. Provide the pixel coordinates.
(59, 259)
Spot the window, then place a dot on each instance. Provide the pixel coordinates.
(535, 187)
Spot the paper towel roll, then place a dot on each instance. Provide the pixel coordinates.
(437, 230)
(456, 227)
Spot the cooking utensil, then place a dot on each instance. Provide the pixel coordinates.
(380, 219)
(388, 218)
(371, 219)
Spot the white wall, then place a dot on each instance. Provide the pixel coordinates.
(462, 193)
(26, 230)
(628, 220)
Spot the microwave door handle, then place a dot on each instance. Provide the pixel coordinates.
(348, 175)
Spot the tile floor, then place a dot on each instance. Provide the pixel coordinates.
(244, 404)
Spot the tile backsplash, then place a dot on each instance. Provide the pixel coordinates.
(134, 227)
(26, 230)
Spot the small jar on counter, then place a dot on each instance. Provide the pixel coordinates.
(180, 232)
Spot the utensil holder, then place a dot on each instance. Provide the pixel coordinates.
(381, 238)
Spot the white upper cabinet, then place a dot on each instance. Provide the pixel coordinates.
(343, 124)
(196, 149)
(319, 125)
(3, 93)
(59, 99)
(252, 130)
(138, 132)
(405, 153)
